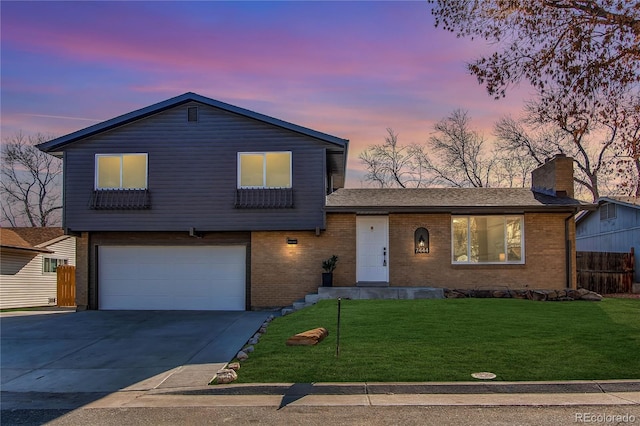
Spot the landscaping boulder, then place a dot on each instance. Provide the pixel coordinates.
(308, 338)
(573, 294)
(242, 355)
(519, 294)
(582, 292)
(483, 294)
(454, 294)
(592, 297)
(537, 295)
(235, 366)
(224, 376)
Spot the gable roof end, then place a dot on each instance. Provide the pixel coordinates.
(632, 202)
(55, 146)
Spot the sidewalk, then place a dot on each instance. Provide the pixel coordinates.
(578, 393)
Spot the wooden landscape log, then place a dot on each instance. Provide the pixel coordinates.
(308, 338)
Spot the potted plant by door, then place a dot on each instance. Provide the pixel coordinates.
(328, 265)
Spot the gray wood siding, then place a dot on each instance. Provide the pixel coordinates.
(616, 235)
(192, 174)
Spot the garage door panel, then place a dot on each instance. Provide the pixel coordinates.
(172, 277)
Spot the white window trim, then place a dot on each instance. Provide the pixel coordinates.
(264, 169)
(121, 155)
(504, 217)
(65, 261)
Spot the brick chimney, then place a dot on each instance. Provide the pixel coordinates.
(554, 177)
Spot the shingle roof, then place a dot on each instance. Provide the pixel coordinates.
(12, 238)
(447, 200)
(38, 235)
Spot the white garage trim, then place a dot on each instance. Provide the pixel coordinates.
(172, 277)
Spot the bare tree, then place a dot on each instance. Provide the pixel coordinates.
(581, 56)
(545, 132)
(454, 156)
(584, 47)
(626, 170)
(393, 165)
(30, 183)
(462, 160)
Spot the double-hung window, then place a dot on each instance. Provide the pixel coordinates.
(121, 171)
(487, 239)
(264, 169)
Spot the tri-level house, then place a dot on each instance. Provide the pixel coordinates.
(196, 204)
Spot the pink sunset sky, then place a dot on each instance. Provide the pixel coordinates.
(350, 69)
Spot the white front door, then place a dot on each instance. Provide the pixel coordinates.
(372, 248)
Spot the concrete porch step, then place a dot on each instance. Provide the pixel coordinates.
(300, 305)
(361, 293)
(312, 298)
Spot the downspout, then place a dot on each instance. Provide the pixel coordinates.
(568, 249)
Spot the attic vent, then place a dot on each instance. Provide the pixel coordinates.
(192, 114)
(607, 211)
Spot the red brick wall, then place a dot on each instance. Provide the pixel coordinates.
(544, 265)
(555, 175)
(282, 274)
(82, 272)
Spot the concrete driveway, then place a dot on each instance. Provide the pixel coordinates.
(107, 351)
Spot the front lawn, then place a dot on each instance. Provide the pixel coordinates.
(447, 340)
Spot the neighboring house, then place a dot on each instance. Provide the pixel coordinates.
(29, 258)
(192, 203)
(613, 227)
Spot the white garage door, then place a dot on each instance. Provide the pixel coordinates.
(172, 278)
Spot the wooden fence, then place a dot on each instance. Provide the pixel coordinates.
(66, 285)
(605, 273)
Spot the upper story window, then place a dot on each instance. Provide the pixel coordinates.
(487, 239)
(264, 169)
(607, 211)
(121, 171)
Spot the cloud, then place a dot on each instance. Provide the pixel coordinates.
(350, 69)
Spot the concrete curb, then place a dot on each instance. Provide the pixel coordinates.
(280, 395)
(609, 392)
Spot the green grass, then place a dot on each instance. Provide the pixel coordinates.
(447, 340)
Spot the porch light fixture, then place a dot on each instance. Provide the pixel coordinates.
(421, 240)
(292, 241)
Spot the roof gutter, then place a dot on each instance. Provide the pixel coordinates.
(452, 209)
(30, 249)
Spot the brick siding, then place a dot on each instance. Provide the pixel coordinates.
(280, 273)
(283, 273)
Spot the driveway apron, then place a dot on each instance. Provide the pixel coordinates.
(106, 351)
